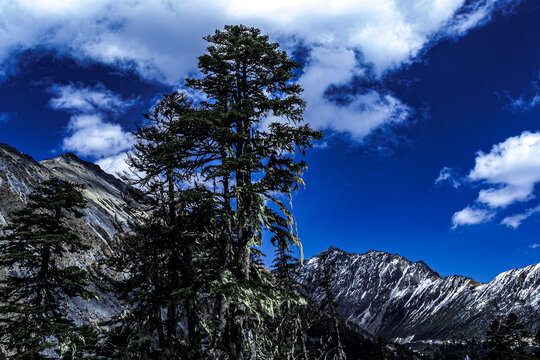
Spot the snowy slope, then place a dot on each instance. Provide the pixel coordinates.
(393, 297)
(385, 294)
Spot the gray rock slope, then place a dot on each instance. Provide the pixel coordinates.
(393, 297)
(106, 213)
(385, 294)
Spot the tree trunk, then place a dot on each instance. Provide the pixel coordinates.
(191, 304)
(172, 304)
(302, 337)
(223, 327)
(43, 275)
(243, 200)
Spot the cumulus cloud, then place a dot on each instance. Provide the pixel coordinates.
(507, 175)
(91, 136)
(78, 98)
(114, 164)
(89, 132)
(357, 115)
(510, 169)
(448, 175)
(161, 40)
(471, 216)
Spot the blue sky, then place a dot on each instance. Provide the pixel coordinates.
(430, 109)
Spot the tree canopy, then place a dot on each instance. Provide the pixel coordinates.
(33, 324)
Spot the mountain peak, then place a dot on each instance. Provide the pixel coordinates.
(373, 251)
(10, 149)
(332, 250)
(389, 295)
(75, 169)
(69, 156)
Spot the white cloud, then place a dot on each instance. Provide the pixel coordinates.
(514, 221)
(87, 99)
(511, 169)
(88, 131)
(529, 99)
(91, 136)
(504, 196)
(161, 40)
(471, 216)
(508, 175)
(448, 175)
(114, 164)
(363, 113)
(534, 246)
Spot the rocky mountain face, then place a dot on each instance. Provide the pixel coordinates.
(385, 294)
(395, 298)
(107, 212)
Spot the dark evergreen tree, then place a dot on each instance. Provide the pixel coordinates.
(506, 341)
(288, 326)
(164, 319)
(332, 347)
(516, 333)
(33, 324)
(200, 288)
(380, 351)
(536, 345)
(499, 347)
(247, 80)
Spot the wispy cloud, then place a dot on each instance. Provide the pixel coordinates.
(534, 246)
(81, 99)
(514, 221)
(161, 40)
(529, 99)
(471, 216)
(448, 175)
(5, 117)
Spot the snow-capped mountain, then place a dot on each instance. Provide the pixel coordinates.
(395, 298)
(107, 213)
(385, 294)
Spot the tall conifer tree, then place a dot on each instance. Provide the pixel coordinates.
(289, 334)
(32, 322)
(248, 81)
(250, 164)
(334, 348)
(164, 319)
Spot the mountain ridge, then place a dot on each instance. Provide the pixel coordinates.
(421, 262)
(108, 213)
(106, 210)
(391, 296)
(383, 293)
